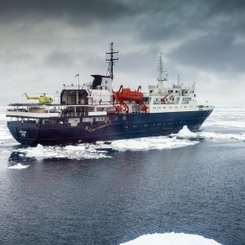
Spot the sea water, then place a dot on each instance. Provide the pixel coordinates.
(186, 188)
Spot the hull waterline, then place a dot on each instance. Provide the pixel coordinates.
(117, 127)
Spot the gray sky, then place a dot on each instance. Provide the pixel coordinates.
(46, 43)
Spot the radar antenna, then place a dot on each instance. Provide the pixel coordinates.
(112, 56)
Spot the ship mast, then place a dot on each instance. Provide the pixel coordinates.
(112, 56)
(178, 80)
(160, 78)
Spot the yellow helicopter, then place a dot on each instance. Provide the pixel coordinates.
(42, 99)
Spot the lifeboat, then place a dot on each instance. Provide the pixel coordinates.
(125, 94)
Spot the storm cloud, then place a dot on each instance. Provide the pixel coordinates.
(79, 12)
(44, 41)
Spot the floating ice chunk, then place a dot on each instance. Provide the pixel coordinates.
(222, 136)
(78, 152)
(171, 239)
(226, 124)
(4, 134)
(150, 143)
(18, 166)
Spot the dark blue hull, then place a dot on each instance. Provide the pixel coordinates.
(111, 127)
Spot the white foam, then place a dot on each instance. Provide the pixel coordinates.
(171, 239)
(18, 166)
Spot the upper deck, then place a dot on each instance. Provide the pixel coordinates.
(35, 110)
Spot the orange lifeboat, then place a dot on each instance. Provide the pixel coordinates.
(125, 94)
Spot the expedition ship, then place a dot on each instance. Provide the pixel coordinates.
(95, 112)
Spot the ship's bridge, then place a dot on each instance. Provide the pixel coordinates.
(74, 96)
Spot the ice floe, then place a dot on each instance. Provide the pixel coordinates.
(18, 166)
(171, 239)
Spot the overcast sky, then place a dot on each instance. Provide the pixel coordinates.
(45, 43)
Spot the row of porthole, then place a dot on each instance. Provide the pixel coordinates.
(170, 107)
(159, 124)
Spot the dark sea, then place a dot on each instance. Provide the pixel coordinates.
(178, 186)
